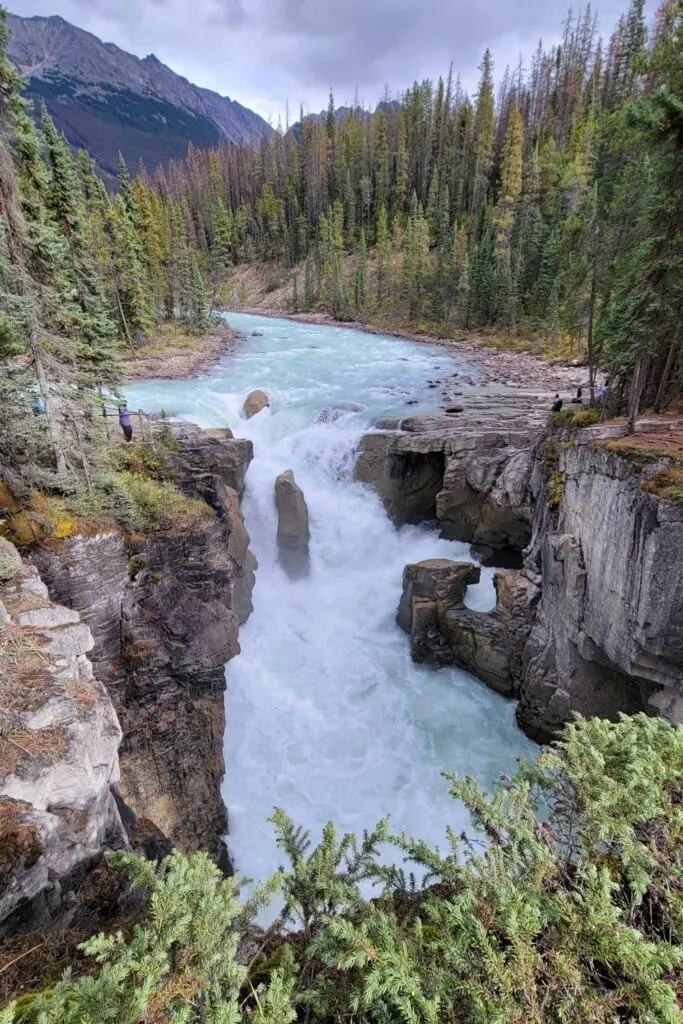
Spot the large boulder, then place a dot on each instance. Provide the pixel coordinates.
(430, 589)
(292, 531)
(255, 402)
(443, 631)
(437, 579)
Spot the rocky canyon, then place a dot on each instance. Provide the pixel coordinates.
(130, 636)
(590, 619)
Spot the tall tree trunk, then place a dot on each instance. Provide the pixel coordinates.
(591, 347)
(637, 386)
(47, 402)
(666, 373)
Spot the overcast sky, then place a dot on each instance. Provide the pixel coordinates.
(264, 52)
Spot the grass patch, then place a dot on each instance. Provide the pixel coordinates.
(138, 504)
(577, 418)
(20, 843)
(668, 484)
(153, 463)
(134, 492)
(555, 490)
(171, 337)
(639, 454)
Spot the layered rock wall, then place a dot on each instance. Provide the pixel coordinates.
(59, 739)
(470, 471)
(608, 636)
(164, 610)
(591, 621)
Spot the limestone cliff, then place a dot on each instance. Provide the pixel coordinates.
(608, 635)
(164, 610)
(470, 471)
(591, 619)
(59, 737)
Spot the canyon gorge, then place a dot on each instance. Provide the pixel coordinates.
(528, 562)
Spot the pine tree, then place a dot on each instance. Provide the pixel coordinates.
(459, 287)
(309, 286)
(361, 289)
(510, 184)
(484, 128)
(95, 341)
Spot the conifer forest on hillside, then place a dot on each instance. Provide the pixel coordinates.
(543, 212)
(549, 207)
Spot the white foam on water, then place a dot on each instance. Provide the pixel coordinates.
(327, 716)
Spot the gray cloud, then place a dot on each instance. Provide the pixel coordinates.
(263, 51)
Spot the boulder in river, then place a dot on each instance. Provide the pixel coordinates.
(292, 529)
(444, 632)
(257, 334)
(335, 412)
(255, 402)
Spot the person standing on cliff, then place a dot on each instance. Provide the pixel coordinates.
(125, 422)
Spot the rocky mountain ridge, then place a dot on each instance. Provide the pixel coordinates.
(108, 101)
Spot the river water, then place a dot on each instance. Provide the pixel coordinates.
(327, 716)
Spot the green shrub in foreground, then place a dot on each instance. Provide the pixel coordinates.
(565, 906)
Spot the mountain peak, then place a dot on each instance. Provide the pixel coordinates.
(106, 100)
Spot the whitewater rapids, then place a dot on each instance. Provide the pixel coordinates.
(326, 714)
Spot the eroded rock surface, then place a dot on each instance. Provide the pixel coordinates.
(608, 636)
(58, 752)
(164, 610)
(293, 531)
(255, 402)
(594, 621)
(443, 631)
(471, 472)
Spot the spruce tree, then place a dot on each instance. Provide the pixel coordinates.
(361, 284)
(95, 341)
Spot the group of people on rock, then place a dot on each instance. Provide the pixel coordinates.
(600, 397)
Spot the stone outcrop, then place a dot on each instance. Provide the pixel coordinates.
(443, 631)
(255, 402)
(293, 531)
(59, 739)
(593, 621)
(164, 610)
(608, 636)
(470, 472)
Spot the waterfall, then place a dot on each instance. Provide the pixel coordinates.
(327, 716)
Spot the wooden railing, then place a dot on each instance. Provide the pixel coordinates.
(141, 423)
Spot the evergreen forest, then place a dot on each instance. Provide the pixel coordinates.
(547, 207)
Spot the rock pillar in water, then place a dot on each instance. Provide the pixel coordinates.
(429, 588)
(255, 402)
(292, 529)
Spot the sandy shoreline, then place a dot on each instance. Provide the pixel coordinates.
(500, 366)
